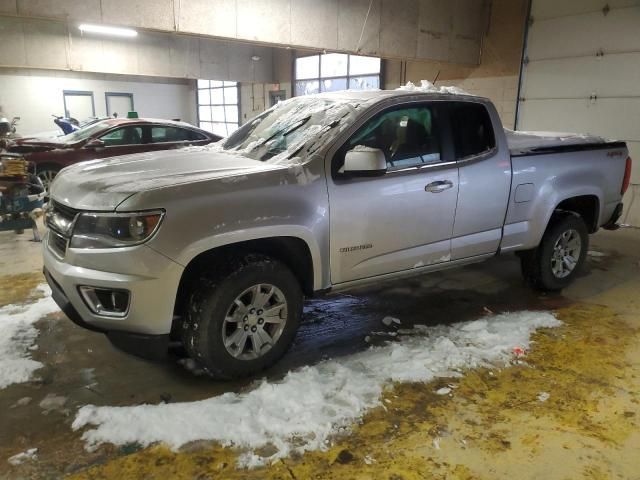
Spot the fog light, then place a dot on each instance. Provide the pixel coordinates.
(105, 301)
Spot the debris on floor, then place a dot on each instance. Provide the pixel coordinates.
(23, 402)
(190, 365)
(388, 321)
(52, 402)
(543, 396)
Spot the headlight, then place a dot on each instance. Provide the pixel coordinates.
(109, 230)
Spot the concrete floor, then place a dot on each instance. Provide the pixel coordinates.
(492, 427)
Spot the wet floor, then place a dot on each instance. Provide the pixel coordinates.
(82, 368)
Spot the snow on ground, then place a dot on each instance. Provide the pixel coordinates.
(31, 454)
(303, 410)
(17, 337)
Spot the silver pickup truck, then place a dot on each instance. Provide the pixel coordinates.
(216, 247)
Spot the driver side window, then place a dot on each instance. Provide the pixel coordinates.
(408, 136)
(123, 136)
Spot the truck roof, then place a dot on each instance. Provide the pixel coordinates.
(373, 95)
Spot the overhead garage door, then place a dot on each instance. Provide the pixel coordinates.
(581, 73)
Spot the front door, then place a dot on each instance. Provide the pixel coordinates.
(403, 219)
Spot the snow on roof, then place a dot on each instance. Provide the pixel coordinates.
(410, 88)
(427, 87)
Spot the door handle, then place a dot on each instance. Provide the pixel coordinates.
(439, 186)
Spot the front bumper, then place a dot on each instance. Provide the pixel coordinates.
(151, 278)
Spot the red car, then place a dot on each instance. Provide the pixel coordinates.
(107, 138)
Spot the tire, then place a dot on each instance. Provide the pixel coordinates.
(46, 174)
(541, 267)
(214, 315)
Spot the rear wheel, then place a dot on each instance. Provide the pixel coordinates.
(560, 256)
(244, 318)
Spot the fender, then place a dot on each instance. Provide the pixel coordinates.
(262, 232)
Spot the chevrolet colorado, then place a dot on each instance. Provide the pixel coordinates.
(217, 246)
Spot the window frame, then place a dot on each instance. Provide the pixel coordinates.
(447, 151)
(118, 94)
(122, 127)
(448, 145)
(478, 156)
(224, 106)
(78, 93)
(320, 78)
(175, 142)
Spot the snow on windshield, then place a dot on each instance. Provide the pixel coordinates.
(292, 129)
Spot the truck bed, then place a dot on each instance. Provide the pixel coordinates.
(531, 143)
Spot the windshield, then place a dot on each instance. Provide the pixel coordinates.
(83, 133)
(295, 127)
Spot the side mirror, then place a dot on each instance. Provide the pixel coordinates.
(94, 144)
(365, 161)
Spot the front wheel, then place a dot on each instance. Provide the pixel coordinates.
(244, 318)
(560, 256)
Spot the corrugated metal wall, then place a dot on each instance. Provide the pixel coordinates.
(582, 74)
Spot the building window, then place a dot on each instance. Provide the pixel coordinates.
(331, 72)
(218, 106)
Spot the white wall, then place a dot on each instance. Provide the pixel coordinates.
(33, 95)
(254, 98)
(583, 75)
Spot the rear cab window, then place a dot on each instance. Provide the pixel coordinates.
(472, 129)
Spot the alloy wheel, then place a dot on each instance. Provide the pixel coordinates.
(254, 322)
(566, 253)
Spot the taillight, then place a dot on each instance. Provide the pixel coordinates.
(627, 176)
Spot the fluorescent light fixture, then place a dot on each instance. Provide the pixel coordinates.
(105, 30)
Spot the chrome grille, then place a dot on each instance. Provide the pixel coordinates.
(59, 219)
(57, 243)
(58, 214)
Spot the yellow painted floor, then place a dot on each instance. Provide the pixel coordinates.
(492, 426)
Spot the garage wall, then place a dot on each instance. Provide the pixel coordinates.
(33, 43)
(254, 97)
(34, 95)
(582, 74)
(497, 75)
(425, 29)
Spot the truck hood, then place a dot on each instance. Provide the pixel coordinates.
(104, 184)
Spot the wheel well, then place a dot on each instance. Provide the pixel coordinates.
(587, 206)
(291, 251)
(48, 166)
